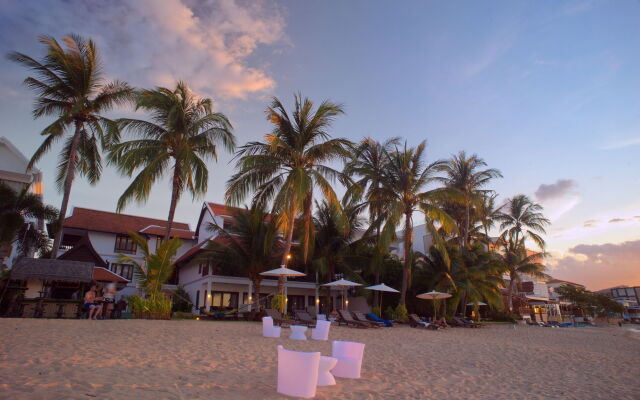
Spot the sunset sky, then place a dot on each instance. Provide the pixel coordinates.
(546, 91)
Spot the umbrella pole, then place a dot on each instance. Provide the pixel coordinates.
(434, 311)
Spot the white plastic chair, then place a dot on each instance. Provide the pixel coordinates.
(321, 331)
(297, 373)
(349, 355)
(321, 317)
(268, 330)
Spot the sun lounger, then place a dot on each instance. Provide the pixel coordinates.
(417, 322)
(466, 323)
(304, 318)
(277, 318)
(374, 317)
(363, 318)
(347, 319)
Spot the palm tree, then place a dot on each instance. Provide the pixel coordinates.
(368, 164)
(522, 219)
(518, 261)
(291, 162)
(406, 176)
(464, 175)
(249, 246)
(15, 208)
(182, 135)
(156, 268)
(70, 87)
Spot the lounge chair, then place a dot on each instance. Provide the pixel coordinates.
(374, 317)
(277, 318)
(304, 318)
(347, 319)
(417, 322)
(466, 322)
(363, 318)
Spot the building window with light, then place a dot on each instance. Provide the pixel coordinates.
(125, 244)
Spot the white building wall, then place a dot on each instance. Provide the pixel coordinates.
(422, 241)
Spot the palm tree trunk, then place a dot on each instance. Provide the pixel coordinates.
(408, 246)
(308, 201)
(68, 182)
(467, 222)
(257, 281)
(290, 228)
(174, 201)
(510, 295)
(376, 261)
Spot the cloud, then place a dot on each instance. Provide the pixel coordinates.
(599, 265)
(214, 46)
(622, 144)
(555, 190)
(590, 223)
(615, 220)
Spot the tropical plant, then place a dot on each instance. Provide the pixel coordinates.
(157, 306)
(522, 220)
(182, 135)
(15, 208)
(156, 268)
(587, 301)
(291, 162)
(465, 176)
(518, 261)
(405, 179)
(249, 246)
(70, 87)
(367, 165)
(181, 301)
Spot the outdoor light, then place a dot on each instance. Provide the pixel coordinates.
(197, 318)
(288, 256)
(317, 301)
(209, 295)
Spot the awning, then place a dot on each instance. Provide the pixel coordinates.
(541, 299)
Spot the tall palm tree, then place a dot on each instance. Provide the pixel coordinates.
(405, 179)
(367, 166)
(15, 208)
(70, 86)
(523, 219)
(465, 175)
(182, 134)
(518, 261)
(156, 268)
(290, 163)
(249, 245)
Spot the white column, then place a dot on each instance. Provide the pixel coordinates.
(250, 295)
(209, 298)
(317, 300)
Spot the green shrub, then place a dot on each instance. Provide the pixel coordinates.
(376, 310)
(279, 302)
(401, 314)
(503, 316)
(389, 313)
(183, 315)
(181, 301)
(158, 305)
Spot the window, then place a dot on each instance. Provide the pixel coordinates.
(205, 269)
(197, 299)
(124, 244)
(124, 270)
(224, 299)
(159, 240)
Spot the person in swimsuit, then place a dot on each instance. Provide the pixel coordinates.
(90, 301)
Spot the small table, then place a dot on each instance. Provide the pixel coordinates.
(325, 377)
(298, 332)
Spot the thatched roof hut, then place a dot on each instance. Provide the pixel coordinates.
(52, 270)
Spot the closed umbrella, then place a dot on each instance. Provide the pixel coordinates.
(281, 273)
(342, 284)
(382, 288)
(433, 295)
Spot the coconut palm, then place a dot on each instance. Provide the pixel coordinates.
(405, 179)
(156, 268)
(466, 177)
(367, 167)
(15, 208)
(182, 134)
(291, 162)
(522, 219)
(70, 87)
(518, 261)
(248, 246)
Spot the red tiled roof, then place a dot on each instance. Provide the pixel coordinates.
(104, 275)
(159, 231)
(554, 280)
(221, 209)
(197, 248)
(104, 221)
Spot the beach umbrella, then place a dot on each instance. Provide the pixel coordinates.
(479, 303)
(282, 273)
(382, 288)
(342, 284)
(433, 295)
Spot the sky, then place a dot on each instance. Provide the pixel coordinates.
(547, 92)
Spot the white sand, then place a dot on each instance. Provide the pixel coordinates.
(129, 359)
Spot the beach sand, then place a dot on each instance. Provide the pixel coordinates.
(134, 359)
